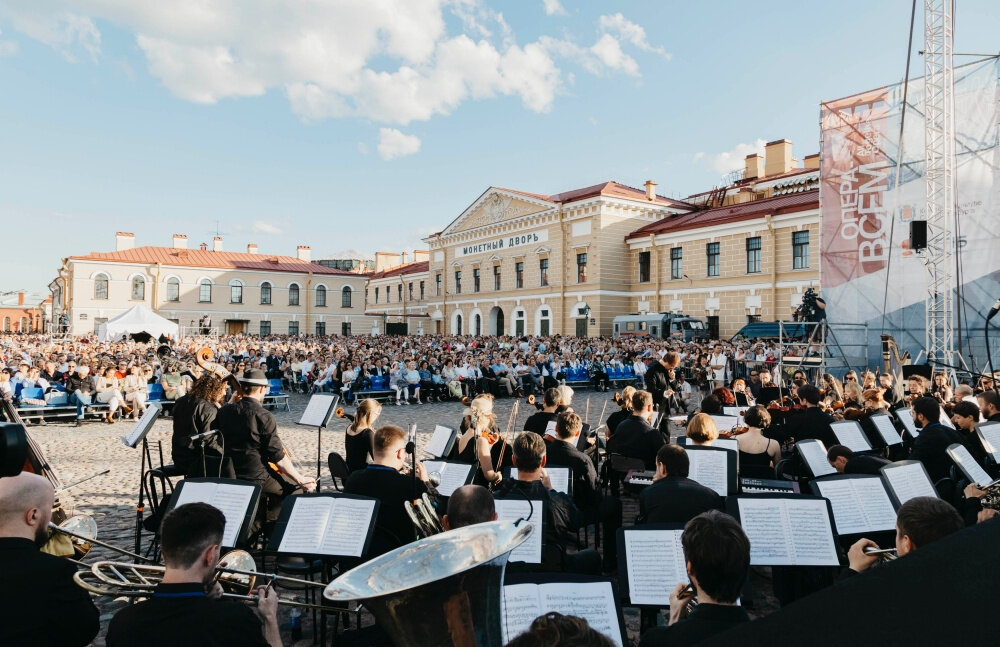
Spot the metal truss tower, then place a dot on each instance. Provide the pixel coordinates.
(939, 176)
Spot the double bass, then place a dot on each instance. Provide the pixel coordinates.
(34, 461)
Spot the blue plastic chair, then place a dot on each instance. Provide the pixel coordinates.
(154, 393)
(275, 385)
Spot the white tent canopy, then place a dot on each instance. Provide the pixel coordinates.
(135, 320)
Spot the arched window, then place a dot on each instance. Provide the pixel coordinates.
(138, 288)
(205, 291)
(345, 297)
(320, 296)
(293, 296)
(173, 289)
(101, 286)
(265, 293)
(6, 324)
(235, 291)
(24, 325)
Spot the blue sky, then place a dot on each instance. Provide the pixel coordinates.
(369, 124)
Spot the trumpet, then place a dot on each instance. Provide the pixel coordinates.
(340, 413)
(884, 554)
(689, 598)
(537, 405)
(465, 400)
(236, 572)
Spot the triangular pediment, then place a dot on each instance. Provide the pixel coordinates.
(497, 205)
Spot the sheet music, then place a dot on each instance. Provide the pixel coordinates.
(232, 500)
(550, 429)
(530, 550)
(327, 526)
(655, 565)
(909, 481)
(885, 427)
(521, 605)
(968, 465)
(906, 417)
(788, 532)
(859, 504)
(142, 427)
(989, 435)
(734, 411)
(727, 443)
(559, 476)
(850, 435)
(945, 420)
(814, 454)
(592, 601)
(439, 441)
(725, 423)
(710, 468)
(317, 412)
(453, 475)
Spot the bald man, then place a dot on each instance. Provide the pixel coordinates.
(39, 602)
(469, 505)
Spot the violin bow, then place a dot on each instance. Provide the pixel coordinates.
(510, 425)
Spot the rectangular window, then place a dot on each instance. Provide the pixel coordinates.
(519, 274)
(265, 328)
(753, 255)
(800, 250)
(173, 291)
(712, 322)
(376, 295)
(265, 294)
(320, 328)
(644, 267)
(753, 319)
(388, 294)
(321, 297)
(543, 272)
(409, 289)
(712, 252)
(496, 277)
(421, 290)
(235, 294)
(677, 263)
(293, 328)
(345, 329)
(399, 293)
(205, 292)
(458, 281)
(437, 280)
(101, 288)
(581, 268)
(475, 279)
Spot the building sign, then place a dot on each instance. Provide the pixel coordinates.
(502, 243)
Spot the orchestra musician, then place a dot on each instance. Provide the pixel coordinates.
(941, 389)
(965, 416)
(717, 555)
(920, 521)
(622, 414)
(931, 444)
(813, 422)
(742, 395)
(556, 630)
(846, 461)
(469, 505)
(359, 443)
(660, 381)
(673, 497)
(384, 480)
(479, 436)
(41, 605)
(539, 421)
(757, 455)
(186, 608)
(916, 387)
(889, 391)
(702, 430)
(250, 435)
(193, 414)
(989, 405)
(635, 437)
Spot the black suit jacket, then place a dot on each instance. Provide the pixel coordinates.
(676, 499)
(657, 381)
(811, 423)
(704, 621)
(564, 454)
(865, 464)
(39, 602)
(930, 449)
(636, 439)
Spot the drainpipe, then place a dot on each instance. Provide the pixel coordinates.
(308, 290)
(774, 267)
(562, 274)
(656, 268)
(156, 288)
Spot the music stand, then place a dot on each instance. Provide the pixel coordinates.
(138, 434)
(730, 459)
(239, 498)
(908, 479)
(349, 520)
(668, 579)
(442, 466)
(317, 414)
(769, 554)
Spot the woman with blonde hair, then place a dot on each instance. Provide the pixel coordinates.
(360, 440)
(473, 445)
(109, 392)
(622, 414)
(701, 430)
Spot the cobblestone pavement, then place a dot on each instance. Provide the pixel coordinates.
(111, 499)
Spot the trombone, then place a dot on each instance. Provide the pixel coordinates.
(82, 531)
(236, 572)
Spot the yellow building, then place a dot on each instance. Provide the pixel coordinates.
(522, 263)
(398, 292)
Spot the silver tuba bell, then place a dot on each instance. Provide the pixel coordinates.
(442, 591)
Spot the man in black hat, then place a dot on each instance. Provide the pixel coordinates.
(250, 434)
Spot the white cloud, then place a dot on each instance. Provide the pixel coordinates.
(261, 227)
(627, 30)
(69, 33)
(393, 144)
(731, 160)
(553, 8)
(609, 52)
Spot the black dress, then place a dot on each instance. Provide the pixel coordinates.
(359, 448)
(756, 465)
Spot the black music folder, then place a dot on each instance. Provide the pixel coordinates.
(238, 501)
(529, 595)
(325, 524)
(442, 441)
(787, 529)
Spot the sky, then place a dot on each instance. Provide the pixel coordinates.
(370, 124)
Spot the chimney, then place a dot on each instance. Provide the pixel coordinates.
(650, 190)
(778, 157)
(20, 298)
(124, 240)
(217, 244)
(204, 247)
(252, 248)
(754, 167)
(811, 161)
(403, 258)
(303, 253)
(180, 241)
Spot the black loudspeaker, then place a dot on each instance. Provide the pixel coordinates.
(918, 234)
(923, 370)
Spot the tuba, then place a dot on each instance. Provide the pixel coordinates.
(442, 591)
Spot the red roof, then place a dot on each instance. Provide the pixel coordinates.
(618, 190)
(759, 180)
(733, 213)
(400, 270)
(208, 258)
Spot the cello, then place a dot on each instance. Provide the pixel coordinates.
(34, 461)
